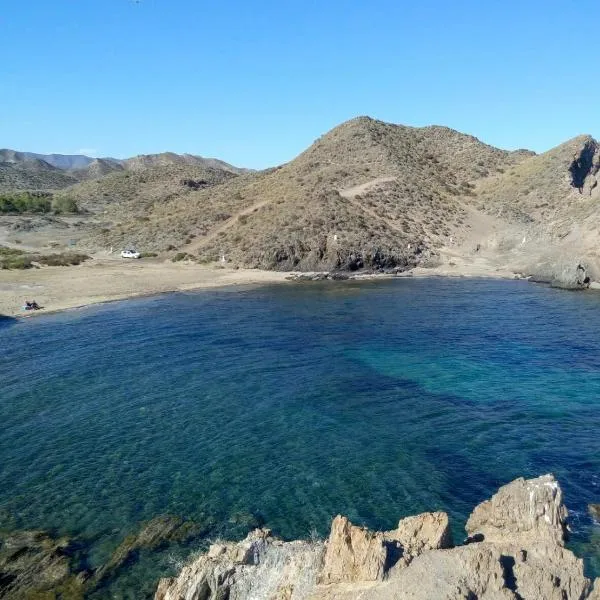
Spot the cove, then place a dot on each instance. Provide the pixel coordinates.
(286, 405)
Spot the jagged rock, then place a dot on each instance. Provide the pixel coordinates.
(594, 510)
(545, 572)
(427, 531)
(516, 552)
(353, 554)
(152, 535)
(522, 512)
(258, 567)
(34, 564)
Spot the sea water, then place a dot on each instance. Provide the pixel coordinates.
(288, 404)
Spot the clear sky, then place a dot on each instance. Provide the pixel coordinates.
(255, 82)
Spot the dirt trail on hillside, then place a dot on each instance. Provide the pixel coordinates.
(351, 193)
(201, 242)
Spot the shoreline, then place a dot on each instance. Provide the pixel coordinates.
(101, 281)
(58, 289)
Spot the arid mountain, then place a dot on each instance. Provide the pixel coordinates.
(32, 174)
(144, 161)
(66, 162)
(367, 194)
(131, 194)
(30, 171)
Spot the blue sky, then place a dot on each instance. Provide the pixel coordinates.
(254, 83)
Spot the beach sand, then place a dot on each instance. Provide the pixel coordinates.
(103, 280)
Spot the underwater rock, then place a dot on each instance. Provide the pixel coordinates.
(34, 564)
(153, 534)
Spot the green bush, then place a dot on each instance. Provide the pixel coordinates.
(11, 258)
(64, 204)
(16, 262)
(66, 259)
(26, 202)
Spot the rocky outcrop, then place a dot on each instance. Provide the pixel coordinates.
(258, 567)
(354, 553)
(153, 534)
(428, 531)
(34, 564)
(522, 512)
(515, 551)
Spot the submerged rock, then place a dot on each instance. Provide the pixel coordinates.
(33, 564)
(153, 534)
(515, 552)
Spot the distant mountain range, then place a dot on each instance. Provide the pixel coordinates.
(29, 170)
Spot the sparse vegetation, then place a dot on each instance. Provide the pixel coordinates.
(26, 202)
(12, 258)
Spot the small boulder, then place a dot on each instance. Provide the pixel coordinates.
(594, 510)
(427, 531)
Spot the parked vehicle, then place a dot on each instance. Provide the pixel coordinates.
(130, 253)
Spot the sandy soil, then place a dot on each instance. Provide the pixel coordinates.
(106, 279)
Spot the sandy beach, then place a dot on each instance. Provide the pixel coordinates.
(104, 280)
(107, 279)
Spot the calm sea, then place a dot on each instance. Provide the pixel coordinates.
(286, 405)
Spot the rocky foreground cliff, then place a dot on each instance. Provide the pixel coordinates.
(514, 550)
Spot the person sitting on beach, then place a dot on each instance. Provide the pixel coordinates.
(33, 305)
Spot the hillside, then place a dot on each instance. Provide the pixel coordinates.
(65, 162)
(365, 194)
(131, 194)
(44, 172)
(32, 174)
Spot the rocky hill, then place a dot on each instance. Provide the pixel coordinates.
(381, 196)
(47, 172)
(368, 195)
(27, 171)
(514, 550)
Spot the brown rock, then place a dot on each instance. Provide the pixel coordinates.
(522, 512)
(427, 531)
(353, 554)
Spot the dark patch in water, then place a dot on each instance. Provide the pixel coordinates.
(289, 404)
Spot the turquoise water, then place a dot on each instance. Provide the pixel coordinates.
(289, 404)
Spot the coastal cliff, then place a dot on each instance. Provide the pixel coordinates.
(515, 549)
